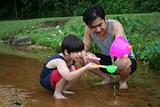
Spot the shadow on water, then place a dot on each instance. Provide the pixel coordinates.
(19, 87)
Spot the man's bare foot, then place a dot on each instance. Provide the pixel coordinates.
(68, 92)
(59, 96)
(123, 85)
(105, 81)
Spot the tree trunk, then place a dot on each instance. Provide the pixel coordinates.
(15, 8)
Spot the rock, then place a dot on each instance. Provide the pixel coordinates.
(21, 41)
(2, 42)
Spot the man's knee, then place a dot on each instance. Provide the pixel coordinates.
(123, 63)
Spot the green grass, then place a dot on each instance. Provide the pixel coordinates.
(12, 26)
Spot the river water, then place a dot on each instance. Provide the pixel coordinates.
(19, 86)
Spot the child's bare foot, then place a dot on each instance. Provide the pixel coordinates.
(68, 92)
(59, 96)
(123, 85)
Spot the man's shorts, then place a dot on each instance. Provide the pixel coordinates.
(106, 60)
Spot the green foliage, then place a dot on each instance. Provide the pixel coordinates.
(75, 26)
(145, 43)
(50, 37)
(154, 53)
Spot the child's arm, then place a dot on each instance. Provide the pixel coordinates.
(67, 74)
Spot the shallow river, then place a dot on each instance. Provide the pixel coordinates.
(19, 87)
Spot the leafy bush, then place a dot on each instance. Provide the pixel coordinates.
(145, 46)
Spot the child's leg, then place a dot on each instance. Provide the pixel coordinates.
(68, 85)
(59, 88)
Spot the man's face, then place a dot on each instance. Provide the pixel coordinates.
(98, 26)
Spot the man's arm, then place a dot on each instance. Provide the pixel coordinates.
(117, 29)
(87, 39)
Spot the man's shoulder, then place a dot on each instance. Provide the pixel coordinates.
(114, 21)
(116, 24)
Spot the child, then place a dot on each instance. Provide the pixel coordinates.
(58, 72)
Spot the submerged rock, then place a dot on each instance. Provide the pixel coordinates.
(2, 42)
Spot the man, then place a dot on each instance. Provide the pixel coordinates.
(103, 32)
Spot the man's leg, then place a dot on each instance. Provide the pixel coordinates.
(107, 77)
(105, 60)
(124, 69)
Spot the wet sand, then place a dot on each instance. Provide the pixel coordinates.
(19, 87)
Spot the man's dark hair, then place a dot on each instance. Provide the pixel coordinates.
(72, 43)
(92, 13)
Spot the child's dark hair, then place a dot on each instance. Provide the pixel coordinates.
(92, 13)
(72, 43)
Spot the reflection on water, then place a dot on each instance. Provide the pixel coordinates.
(19, 86)
(27, 51)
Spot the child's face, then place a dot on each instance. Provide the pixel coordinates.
(76, 55)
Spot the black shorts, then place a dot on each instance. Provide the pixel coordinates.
(106, 60)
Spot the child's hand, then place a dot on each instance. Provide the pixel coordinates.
(91, 66)
(72, 68)
(90, 57)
